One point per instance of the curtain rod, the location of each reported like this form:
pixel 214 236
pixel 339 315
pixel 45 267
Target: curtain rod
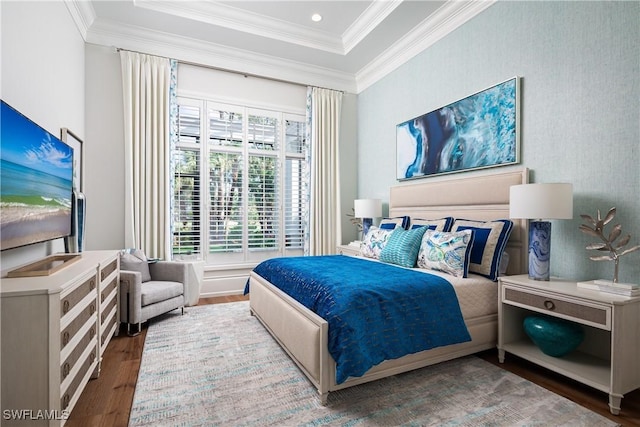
pixel 211 67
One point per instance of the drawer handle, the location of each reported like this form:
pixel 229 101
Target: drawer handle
pixel 92 357
pixel 92 308
pixel 65 370
pixel 65 306
pixel 92 284
pixel 92 333
pixel 102 297
pixel 549 305
pixel 65 338
pixel 65 401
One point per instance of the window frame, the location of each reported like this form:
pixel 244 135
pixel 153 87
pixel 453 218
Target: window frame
pixel 245 255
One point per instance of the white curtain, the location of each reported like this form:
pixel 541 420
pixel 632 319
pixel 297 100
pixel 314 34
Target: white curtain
pixel 324 207
pixel 145 83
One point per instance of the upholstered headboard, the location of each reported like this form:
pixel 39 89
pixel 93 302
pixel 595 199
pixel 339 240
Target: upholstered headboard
pixel 483 197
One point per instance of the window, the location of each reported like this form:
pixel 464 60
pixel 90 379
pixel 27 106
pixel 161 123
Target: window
pixel 246 202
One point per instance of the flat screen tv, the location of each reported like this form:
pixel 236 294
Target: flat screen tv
pixel 36 182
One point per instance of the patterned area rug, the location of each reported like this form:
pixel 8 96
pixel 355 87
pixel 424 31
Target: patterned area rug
pixel 217 365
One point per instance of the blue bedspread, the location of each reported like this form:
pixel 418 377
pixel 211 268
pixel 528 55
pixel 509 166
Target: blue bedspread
pixel 375 311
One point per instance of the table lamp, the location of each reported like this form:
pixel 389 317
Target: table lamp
pixel 367 209
pixel 540 202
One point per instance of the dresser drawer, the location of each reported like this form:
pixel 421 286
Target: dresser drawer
pixel 577 311
pixel 106 310
pixel 87 340
pixel 87 364
pixel 108 269
pixel 74 326
pixel 108 290
pixel 108 330
pixel 75 296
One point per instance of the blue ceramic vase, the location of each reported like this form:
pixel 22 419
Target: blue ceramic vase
pixel 554 337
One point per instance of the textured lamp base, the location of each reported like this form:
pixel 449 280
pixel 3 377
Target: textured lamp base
pixel 539 249
pixel 366 224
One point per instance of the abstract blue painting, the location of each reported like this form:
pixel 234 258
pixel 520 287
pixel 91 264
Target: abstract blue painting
pixel 479 131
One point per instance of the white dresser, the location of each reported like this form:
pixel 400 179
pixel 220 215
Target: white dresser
pixel 54 331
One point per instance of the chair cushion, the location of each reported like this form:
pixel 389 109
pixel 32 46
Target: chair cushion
pixel 135 261
pixel 155 291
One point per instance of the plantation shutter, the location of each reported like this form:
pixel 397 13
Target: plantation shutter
pixel 186 185
pixel 294 192
pixel 263 191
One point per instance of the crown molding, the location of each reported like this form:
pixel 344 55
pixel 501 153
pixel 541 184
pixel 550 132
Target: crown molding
pixel 446 19
pixel 110 33
pixel 226 16
pixel 367 22
pixel 83 15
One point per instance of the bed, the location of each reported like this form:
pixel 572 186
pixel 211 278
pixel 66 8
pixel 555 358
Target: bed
pixel 304 335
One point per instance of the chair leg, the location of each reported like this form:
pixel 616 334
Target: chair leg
pixel 139 327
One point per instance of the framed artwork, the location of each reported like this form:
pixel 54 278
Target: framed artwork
pixel 75 242
pixel 479 131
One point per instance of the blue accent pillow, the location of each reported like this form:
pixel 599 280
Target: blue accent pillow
pixel 402 247
pixel 442 224
pixel 489 240
pixel 392 223
pixel 446 252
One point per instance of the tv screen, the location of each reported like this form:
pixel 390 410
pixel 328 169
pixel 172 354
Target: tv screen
pixel 36 182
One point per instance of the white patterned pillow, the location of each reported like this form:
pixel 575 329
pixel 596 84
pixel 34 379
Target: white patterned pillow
pixel 447 252
pixel 373 243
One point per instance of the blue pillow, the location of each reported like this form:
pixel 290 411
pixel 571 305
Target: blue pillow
pixel 392 223
pixel 447 252
pixel 402 247
pixel 442 224
pixel 489 240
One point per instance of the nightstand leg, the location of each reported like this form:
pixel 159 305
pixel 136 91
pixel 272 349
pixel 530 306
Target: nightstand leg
pixel 614 403
pixel 500 355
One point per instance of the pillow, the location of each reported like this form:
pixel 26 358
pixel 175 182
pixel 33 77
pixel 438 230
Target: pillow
pixel 374 242
pixel 446 251
pixel 392 223
pixel 403 246
pixel 442 224
pixel 489 241
pixel 135 260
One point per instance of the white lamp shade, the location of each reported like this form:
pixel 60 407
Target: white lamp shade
pixel 541 201
pixel 367 208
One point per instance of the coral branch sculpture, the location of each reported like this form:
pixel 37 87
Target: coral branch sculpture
pixel 608 243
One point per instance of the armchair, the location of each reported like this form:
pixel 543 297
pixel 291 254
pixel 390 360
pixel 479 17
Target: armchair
pixel 149 289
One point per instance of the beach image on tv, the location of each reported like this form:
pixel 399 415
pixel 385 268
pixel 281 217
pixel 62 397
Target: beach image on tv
pixel 36 178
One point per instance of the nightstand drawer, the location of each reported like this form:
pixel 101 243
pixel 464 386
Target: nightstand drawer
pixel 578 311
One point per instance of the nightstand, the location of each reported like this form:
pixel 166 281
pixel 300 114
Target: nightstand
pixel 606 360
pixel 348 250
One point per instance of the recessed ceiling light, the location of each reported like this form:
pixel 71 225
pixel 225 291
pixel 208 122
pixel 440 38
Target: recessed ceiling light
pixel 316 17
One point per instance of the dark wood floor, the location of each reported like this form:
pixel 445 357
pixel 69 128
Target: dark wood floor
pixel 107 400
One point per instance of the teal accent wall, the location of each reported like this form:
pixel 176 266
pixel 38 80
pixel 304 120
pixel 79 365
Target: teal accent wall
pixel 579 64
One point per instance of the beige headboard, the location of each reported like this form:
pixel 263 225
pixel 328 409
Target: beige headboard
pixel 483 197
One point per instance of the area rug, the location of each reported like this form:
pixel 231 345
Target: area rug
pixel 216 365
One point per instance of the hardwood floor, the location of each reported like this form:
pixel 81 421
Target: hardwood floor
pixel 107 400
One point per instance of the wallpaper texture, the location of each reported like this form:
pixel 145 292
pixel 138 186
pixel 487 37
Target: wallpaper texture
pixel 580 69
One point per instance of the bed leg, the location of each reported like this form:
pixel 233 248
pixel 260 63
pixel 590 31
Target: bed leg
pixel 501 355
pixel 323 398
